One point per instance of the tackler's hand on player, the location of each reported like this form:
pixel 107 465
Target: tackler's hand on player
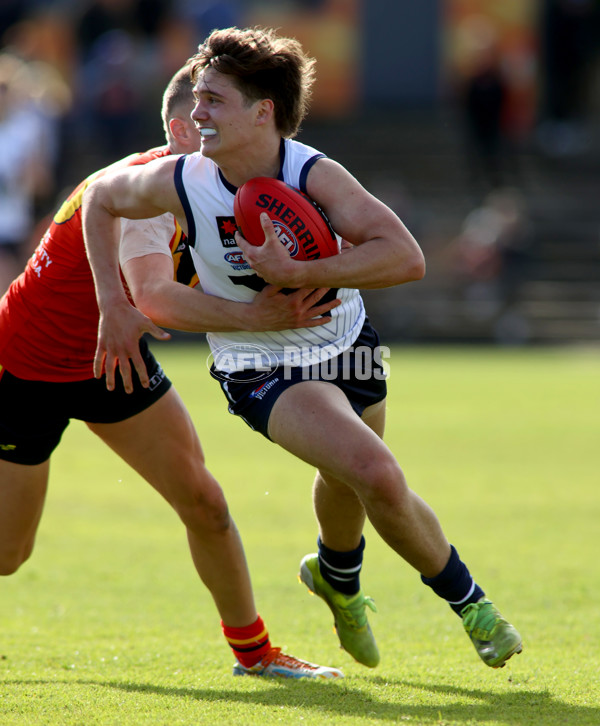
pixel 271 260
pixel 119 331
pixel 277 310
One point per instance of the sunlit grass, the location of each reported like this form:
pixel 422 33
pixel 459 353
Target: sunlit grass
pixel 108 623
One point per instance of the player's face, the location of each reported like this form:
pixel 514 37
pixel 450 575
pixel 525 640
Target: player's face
pixel 222 115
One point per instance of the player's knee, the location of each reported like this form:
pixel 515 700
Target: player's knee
pixel 206 509
pixel 381 480
pixel 215 512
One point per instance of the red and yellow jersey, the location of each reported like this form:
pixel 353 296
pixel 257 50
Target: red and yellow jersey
pixel 49 315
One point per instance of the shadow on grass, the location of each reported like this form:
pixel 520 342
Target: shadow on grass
pixel 342 699
pixel 522 706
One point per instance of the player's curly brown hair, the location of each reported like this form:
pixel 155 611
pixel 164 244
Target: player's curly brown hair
pixel 264 65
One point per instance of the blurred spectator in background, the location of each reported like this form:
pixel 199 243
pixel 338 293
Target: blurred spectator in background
pixel 119 75
pixel 28 152
pixel 138 18
pixel 570 46
pixel 206 15
pixel 490 258
pixel 484 101
pixel 42 39
pixel 11 12
pixel 110 91
pixel 493 67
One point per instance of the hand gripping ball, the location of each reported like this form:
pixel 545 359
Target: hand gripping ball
pixel 301 225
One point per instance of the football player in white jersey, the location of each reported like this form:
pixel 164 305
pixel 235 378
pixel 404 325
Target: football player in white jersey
pixel 320 402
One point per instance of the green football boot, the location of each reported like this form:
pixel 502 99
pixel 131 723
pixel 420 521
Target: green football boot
pixel 494 638
pixel 349 613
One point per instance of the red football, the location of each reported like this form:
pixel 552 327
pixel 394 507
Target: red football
pixel 301 225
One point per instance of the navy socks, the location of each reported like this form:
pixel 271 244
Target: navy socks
pixel 455 584
pixel 341 570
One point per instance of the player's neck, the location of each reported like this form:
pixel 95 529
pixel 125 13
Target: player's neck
pixel 261 160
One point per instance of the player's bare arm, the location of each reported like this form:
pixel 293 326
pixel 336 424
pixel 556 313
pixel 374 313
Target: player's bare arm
pixel 177 306
pixel 138 193
pixel 384 252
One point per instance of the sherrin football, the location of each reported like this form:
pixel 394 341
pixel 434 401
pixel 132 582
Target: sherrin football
pixel 301 225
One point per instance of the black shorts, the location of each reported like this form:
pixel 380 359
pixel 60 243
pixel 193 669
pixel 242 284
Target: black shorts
pixel 34 414
pixel 358 372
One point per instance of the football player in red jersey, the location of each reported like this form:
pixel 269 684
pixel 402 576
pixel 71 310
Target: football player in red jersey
pixel 48 329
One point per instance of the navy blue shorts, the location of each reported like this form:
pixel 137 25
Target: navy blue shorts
pixel 358 372
pixel 34 414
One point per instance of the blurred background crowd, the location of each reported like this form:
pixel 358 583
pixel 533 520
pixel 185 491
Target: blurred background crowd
pixel 477 121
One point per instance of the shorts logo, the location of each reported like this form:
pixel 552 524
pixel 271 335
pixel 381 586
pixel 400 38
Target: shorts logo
pixel 260 392
pixel 227 229
pixel 156 379
pixel 8 447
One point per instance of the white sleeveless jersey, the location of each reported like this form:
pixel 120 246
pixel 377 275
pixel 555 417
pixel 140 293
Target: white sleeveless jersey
pixel 207 199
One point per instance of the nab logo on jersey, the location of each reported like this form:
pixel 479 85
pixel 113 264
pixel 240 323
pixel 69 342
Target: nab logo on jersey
pixel 227 229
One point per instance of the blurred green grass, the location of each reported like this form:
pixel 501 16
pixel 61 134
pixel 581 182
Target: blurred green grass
pixel 108 624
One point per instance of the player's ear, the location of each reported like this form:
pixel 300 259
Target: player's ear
pixel 184 133
pixel 264 111
pixel 177 128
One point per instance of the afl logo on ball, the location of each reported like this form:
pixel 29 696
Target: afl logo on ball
pixel 286 237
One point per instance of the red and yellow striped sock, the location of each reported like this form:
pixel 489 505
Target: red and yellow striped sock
pixel 249 644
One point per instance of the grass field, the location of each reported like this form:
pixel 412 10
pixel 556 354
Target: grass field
pixel 107 623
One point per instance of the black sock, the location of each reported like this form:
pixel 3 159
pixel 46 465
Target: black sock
pixel 341 569
pixel 455 584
